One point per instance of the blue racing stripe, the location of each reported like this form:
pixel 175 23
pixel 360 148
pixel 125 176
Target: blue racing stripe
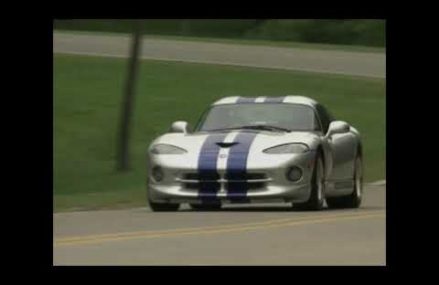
pixel 207 169
pixel 246 100
pixel 274 99
pixel 237 167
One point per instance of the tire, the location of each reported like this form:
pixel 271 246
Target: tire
pixel 317 197
pixel 205 207
pixel 163 207
pixel 352 200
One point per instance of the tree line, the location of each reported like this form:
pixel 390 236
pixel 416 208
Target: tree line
pixel 368 32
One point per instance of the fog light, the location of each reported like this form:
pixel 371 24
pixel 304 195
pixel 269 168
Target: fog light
pixel 157 174
pixel 294 173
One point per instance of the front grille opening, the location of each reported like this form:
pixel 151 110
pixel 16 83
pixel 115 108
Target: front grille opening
pixel 198 185
pixel 231 177
pixel 201 177
pixel 247 185
pixel 191 176
pixel 245 176
pixel 191 185
pixel 251 176
pixel 256 185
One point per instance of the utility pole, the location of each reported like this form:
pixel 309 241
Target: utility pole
pixel 122 157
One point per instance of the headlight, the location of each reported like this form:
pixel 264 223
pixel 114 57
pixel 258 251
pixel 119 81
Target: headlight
pixel 288 148
pixel 167 149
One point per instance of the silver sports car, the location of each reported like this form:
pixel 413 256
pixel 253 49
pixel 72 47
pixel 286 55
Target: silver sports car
pixel 261 149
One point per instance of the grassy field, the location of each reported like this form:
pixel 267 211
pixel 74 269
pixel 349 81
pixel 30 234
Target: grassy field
pixel 315 46
pixel 87 97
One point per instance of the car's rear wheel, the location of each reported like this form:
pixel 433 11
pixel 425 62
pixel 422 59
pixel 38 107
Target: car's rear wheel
pixel 206 207
pixel 317 197
pixel 352 200
pixel 163 207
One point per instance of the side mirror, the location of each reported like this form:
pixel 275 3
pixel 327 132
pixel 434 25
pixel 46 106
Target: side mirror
pixel 179 127
pixel 337 127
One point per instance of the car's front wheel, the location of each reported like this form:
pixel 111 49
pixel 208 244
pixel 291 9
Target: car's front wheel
pixel 317 197
pixel 352 200
pixel 163 207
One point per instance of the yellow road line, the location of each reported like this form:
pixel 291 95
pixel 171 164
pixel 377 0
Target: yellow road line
pixel 137 233
pixel 93 239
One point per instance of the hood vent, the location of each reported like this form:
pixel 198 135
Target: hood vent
pixel 225 145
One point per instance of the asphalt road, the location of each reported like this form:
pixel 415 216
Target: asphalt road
pixel 237 235
pixel 312 60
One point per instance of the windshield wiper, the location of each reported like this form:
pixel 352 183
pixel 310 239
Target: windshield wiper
pixel 265 127
pixel 221 129
pixel 255 127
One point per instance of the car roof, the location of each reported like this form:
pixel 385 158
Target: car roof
pixel 288 99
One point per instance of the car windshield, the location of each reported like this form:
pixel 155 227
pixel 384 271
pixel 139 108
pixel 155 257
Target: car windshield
pixel 270 116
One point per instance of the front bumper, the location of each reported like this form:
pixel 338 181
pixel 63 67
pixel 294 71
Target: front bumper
pixel 265 183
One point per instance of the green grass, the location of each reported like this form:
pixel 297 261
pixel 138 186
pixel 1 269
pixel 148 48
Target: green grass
pixel 87 97
pixel 315 46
